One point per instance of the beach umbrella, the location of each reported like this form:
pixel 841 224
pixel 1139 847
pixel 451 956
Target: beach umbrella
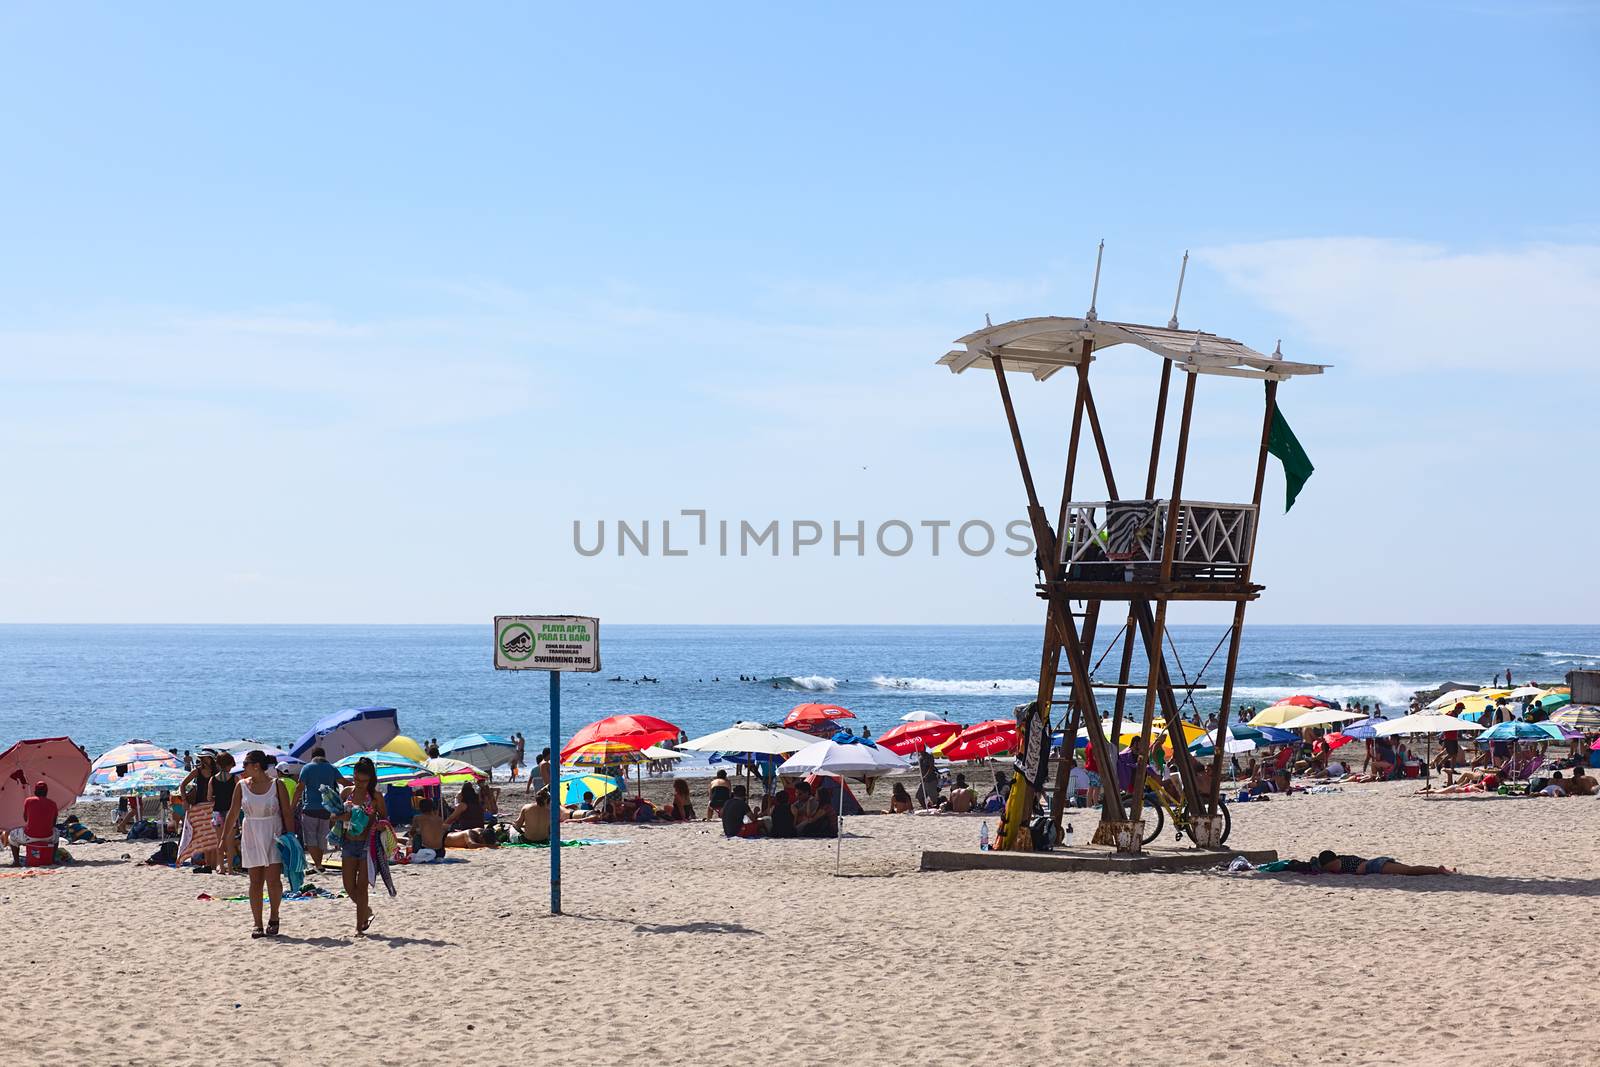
pixel 1277 715
pixel 1551 701
pixel 347 731
pixel 844 756
pixel 1585 717
pixel 405 746
pixel 1558 732
pixel 750 737
pixel 1362 730
pixel 1424 723
pixel 483 751
pixel 242 746
pixel 1471 706
pixel 920 716
pixel 656 752
pixel 148 781
pixel 133 755
pixel 392 768
pixel 1513 730
pixel 1445 700
pixel 1206 744
pixel 573 786
pixel 453 771
pixel 982 740
pixel 814 716
pixel 1301 700
pixel 605 754
pixel 1526 691
pixel 1319 717
pixel 916 736
pixel 1493 693
pixel 640 731
pixel 61 765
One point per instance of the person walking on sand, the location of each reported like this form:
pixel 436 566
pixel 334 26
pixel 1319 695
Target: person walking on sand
pixel 364 809
pixel 313 809
pixel 262 805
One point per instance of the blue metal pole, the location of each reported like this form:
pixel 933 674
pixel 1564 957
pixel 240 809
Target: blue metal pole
pixel 555 792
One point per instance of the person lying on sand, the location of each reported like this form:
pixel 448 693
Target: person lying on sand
pixel 472 839
pixel 1331 862
pixel 1476 778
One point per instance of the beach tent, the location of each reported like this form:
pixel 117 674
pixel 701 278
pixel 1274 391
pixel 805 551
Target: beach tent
pixel 638 731
pixel 483 751
pixel 844 756
pixel 401 745
pixel 133 755
pixel 61 765
pixel 351 730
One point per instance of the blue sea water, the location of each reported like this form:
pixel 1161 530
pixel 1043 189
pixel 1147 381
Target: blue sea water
pixel 182 686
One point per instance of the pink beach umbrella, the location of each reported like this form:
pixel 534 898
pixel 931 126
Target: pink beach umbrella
pixel 55 761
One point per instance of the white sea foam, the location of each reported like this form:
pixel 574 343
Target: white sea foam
pixel 969 686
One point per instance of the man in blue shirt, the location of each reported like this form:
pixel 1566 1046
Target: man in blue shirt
pixel 314 814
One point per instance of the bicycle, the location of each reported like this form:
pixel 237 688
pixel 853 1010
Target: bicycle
pixel 1158 807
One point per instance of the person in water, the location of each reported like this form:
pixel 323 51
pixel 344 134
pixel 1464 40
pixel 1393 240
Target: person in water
pixel 362 796
pixel 261 810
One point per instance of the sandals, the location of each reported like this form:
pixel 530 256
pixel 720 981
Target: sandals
pixel 257 932
pixel 272 928
pixel 363 923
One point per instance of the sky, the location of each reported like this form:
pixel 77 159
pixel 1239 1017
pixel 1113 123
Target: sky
pixel 350 314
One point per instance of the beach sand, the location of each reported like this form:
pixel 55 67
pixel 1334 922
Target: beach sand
pixel 680 945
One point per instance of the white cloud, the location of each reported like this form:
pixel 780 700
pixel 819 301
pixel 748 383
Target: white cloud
pixel 1408 306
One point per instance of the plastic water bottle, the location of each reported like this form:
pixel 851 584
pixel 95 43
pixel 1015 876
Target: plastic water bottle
pixel 1067 838
pixel 983 836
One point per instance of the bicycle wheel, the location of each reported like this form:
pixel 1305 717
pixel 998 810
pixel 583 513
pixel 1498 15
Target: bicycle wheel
pixel 1227 824
pixel 1155 820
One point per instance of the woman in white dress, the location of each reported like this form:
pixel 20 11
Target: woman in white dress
pixel 262 803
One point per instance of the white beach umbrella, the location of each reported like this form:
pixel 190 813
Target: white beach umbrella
pixel 1232 746
pixel 1425 724
pixel 751 737
pixel 1320 717
pixel 1451 697
pixel 1526 691
pixel 857 759
pixel 921 716
pixel 657 752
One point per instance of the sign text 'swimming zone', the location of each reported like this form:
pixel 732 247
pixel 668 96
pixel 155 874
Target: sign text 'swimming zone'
pixel 546 643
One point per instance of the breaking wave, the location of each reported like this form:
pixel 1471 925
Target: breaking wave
pixel 805 683
pixel 1390 692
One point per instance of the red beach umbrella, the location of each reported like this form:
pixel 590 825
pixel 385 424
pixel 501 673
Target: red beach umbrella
pixel 635 731
pixel 1300 700
pixel 56 761
pixel 993 738
pixel 805 716
pixel 915 736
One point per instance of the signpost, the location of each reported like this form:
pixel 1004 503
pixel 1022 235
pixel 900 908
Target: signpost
pixel 553 643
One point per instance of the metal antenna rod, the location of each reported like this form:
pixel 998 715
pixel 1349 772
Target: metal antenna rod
pixel 1172 323
pixel 1094 297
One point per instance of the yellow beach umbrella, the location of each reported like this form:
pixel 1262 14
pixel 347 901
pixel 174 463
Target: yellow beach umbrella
pixel 1277 715
pixel 1494 694
pixel 401 745
pixel 1474 705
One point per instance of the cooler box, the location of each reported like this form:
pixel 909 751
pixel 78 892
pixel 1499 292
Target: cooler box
pixel 39 855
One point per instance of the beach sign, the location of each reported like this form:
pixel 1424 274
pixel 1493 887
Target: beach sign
pixel 551 643
pixel 546 643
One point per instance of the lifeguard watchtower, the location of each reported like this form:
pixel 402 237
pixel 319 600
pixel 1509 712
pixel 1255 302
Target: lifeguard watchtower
pixel 1141 550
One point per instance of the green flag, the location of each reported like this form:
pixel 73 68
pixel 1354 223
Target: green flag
pixel 1297 468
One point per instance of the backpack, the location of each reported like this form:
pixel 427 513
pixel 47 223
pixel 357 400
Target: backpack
pixel 1043 833
pixel 166 855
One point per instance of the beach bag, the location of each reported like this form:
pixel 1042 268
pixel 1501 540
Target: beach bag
pixel 166 855
pixel 1043 833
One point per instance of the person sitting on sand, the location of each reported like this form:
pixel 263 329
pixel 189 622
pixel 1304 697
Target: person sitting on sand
pixel 717 795
pixel 962 797
pixel 427 828
pixel 736 818
pixel 1582 785
pixel 533 821
pixel 1331 862
pixel 823 821
pixel 468 812
pixel 900 802
pixel 1555 788
pixel 584 807
pixel 682 809
pixel 780 823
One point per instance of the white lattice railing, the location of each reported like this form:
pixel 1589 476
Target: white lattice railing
pixel 1210 535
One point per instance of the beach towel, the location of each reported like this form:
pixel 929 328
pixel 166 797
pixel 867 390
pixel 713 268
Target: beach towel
pixel 377 861
pixel 202 834
pixel 293 858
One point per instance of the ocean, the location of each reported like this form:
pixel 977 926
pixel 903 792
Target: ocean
pixel 183 686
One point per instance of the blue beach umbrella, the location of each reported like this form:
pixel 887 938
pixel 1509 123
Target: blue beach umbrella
pixel 1364 730
pixel 348 731
pixel 1272 735
pixel 1514 730
pixel 483 751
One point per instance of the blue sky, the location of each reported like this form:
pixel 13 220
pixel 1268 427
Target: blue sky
pixel 347 315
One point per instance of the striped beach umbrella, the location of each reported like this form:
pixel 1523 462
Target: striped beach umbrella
pixel 1585 717
pixel 605 754
pixel 131 756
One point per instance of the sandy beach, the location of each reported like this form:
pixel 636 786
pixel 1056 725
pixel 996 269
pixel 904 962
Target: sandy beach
pixel 679 944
